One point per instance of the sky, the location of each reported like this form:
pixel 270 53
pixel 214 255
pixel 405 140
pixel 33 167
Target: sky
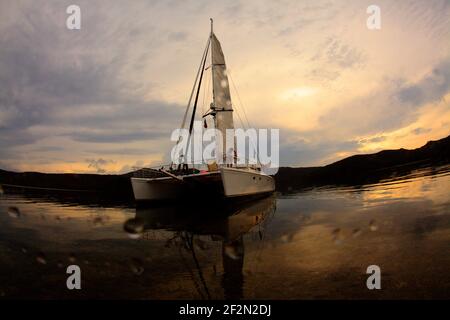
pixel 105 98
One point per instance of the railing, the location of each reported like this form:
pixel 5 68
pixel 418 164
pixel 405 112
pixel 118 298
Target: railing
pixel 147 173
pixel 157 171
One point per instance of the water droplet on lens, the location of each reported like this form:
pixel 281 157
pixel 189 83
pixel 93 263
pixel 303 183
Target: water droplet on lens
pixel 284 238
pixel 136 266
pixel 288 237
pixel 224 83
pixel 40 258
pixel 231 252
pixel 356 232
pixel 72 257
pixel 373 225
pixel 134 227
pixel 14 212
pixel 97 221
pixel 337 236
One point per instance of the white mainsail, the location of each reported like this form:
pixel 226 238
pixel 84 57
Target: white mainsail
pixel 221 106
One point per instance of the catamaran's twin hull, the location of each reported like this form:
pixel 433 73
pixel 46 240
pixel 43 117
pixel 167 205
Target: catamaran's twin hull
pixel 239 182
pixel 227 182
pixel 153 189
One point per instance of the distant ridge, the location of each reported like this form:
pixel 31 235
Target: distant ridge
pixel 366 168
pixel 85 185
pixel 354 170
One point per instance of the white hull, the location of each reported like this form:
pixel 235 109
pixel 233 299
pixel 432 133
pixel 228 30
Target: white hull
pixel 229 182
pixel 146 189
pixel 243 182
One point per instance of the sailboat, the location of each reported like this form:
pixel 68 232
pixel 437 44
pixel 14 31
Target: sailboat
pixel 227 180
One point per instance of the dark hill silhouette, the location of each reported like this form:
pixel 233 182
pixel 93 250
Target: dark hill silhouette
pixel 354 170
pixel 366 168
pixel 85 185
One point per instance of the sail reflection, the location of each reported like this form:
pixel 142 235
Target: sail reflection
pixel 195 226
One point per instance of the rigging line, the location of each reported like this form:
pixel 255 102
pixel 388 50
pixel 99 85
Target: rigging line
pixel 239 98
pixel 240 119
pixel 192 92
pixel 208 84
pixel 199 269
pixel 205 119
pixel 191 125
pixel 196 285
pixel 264 223
pixel 204 91
pixel 244 127
pixel 203 102
pixel 245 114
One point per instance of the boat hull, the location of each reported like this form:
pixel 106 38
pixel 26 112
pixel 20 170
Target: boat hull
pixel 241 182
pixel 226 183
pixel 146 189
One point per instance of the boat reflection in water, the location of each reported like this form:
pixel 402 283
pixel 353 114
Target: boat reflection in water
pixel 195 226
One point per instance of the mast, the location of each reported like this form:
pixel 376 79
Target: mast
pixel 200 70
pixel 191 124
pixel 198 91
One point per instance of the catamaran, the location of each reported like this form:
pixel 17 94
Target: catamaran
pixel 228 180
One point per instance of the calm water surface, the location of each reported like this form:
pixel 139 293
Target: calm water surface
pixel 314 244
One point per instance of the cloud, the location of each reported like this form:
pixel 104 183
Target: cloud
pixel 177 36
pixel 304 149
pixel 334 50
pixel 374 139
pixel 118 86
pixel 430 88
pixel 393 105
pixel 120 151
pixel 54 82
pixel 419 131
pixel 98 164
pixel 113 136
pixel 342 54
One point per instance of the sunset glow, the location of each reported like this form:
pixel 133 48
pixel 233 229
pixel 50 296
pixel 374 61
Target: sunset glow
pixel 106 97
